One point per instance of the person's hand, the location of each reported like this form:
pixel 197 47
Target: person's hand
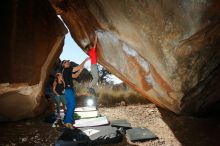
pixel 88 58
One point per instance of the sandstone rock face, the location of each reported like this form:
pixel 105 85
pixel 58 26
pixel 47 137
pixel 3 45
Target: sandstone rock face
pixel 166 50
pixel 32 38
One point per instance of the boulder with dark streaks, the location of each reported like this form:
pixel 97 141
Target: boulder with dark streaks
pixel 166 50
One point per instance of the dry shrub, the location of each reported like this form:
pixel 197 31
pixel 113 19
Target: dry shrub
pixel 108 96
pixel 80 88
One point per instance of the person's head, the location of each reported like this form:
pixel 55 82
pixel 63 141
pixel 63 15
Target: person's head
pixel 59 76
pixel 88 47
pixel 66 64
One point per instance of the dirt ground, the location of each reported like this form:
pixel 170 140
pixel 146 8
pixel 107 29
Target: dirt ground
pixel 171 129
pixel 28 132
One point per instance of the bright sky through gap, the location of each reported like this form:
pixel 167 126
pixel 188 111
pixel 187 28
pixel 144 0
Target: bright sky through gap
pixel 71 51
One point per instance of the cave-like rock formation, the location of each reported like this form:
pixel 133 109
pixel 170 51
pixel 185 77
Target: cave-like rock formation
pixel 31 40
pixel 166 50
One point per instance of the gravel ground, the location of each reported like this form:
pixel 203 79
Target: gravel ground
pixel 172 130
pixel 28 133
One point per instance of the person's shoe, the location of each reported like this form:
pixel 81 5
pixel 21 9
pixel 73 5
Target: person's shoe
pixel 70 126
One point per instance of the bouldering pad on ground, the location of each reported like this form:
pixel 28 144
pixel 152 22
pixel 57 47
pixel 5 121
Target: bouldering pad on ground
pixel 121 123
pixel 99 121
pixel 140 134
pixel 90 136
pixel 84 109
pixel 87 114
pixel 103 134
pixel 72 138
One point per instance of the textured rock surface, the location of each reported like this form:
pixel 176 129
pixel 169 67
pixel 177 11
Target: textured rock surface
pixel 31 41
pixel 166 50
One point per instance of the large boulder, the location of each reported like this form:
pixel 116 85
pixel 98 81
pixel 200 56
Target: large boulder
pixel 166 50
pixel 32 38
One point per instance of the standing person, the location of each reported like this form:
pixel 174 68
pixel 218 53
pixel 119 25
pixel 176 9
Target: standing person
pixel 58 89
pixel 91 51
pixel 68 74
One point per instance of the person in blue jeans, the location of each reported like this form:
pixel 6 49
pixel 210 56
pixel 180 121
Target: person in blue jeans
pixel 68 74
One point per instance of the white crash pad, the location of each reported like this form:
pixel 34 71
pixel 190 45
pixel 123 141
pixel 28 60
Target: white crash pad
pixel 99 121
pixel 83 112
pixel 84 109
pixel 87 114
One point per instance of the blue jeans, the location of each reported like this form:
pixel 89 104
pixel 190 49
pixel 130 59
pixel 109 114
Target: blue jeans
pixel 70 105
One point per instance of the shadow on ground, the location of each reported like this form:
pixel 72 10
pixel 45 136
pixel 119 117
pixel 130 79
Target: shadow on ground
pixel 27 132
pixel 193 131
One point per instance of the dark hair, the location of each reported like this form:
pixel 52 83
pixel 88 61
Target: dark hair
pixel 88 47
pixel 63 62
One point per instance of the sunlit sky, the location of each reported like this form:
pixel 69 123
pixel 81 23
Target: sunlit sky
pixel 71 51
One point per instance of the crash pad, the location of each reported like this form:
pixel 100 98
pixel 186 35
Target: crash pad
pixel 87 114
pixel 83 109
pixel 121 123
pixel 98 121
pixel 140 134
pixel 72 138
pixel 101 132
pixel 90 136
